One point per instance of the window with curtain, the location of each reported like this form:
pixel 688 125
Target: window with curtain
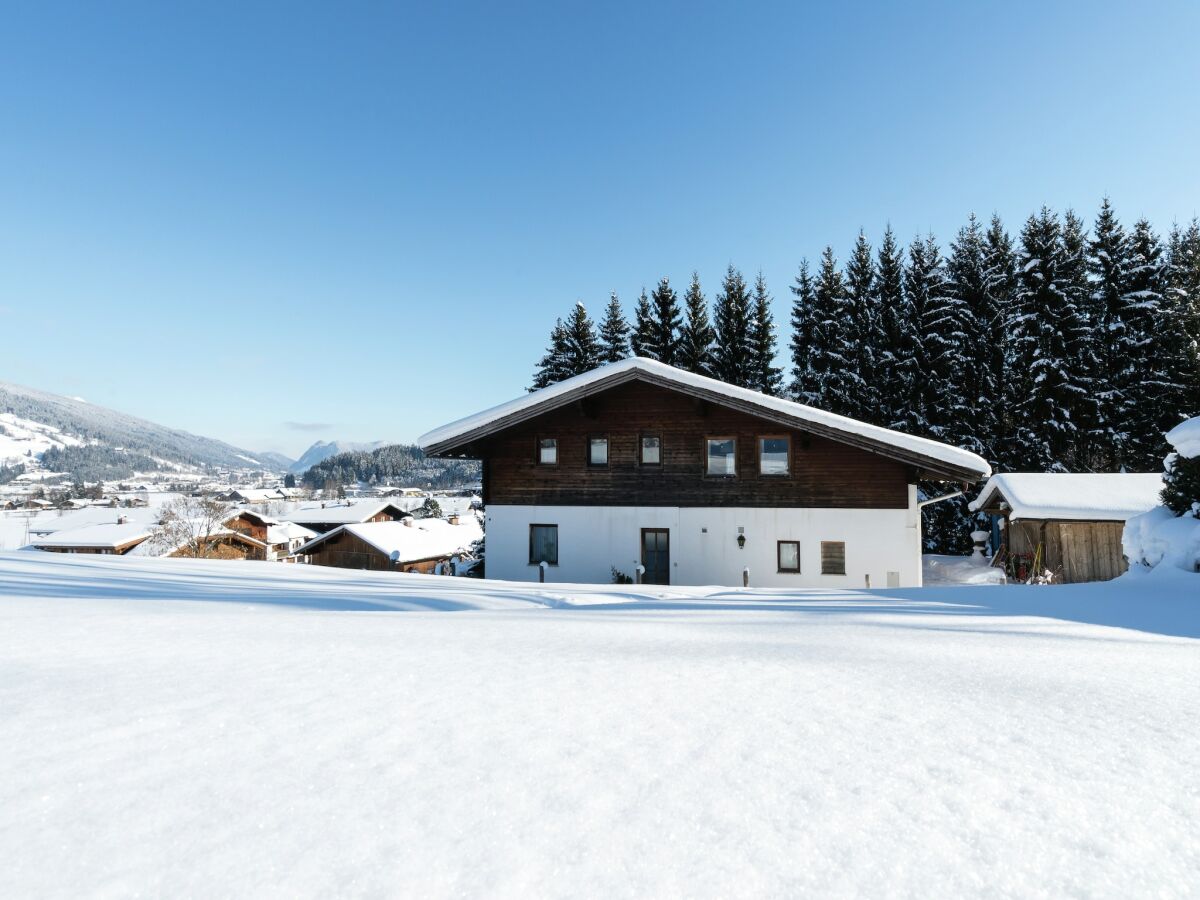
pixel 722 456
pixel 543 544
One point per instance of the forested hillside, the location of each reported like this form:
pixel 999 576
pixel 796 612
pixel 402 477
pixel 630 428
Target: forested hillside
pixel 1063 349
pixel 399 464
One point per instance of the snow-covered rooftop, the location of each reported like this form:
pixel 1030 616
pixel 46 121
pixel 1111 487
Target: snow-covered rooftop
pixel 1101 497
pixel 423 539
pixel 340 513
pixel 100 537
pixel 92 515
pixel 603 377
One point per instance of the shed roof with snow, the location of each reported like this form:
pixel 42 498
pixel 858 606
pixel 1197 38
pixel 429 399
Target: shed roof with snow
pixel 421 540
pixel 1059 496
pixel 933 458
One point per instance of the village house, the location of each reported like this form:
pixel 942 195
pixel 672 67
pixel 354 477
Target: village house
pixel 641 466
pixel 115 538
pixel 425 546
pixel 1066 524
pixel 323 517
pixel 280 539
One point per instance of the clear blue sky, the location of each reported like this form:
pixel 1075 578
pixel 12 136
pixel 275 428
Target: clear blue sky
pixel 271 224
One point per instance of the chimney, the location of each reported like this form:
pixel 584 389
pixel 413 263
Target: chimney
pixel 407 520
pixel 122 520
pixel 453 519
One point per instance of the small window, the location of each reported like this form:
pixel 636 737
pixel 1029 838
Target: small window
pixel 547 452
pixel 722 457
pixel 651 450
pixel 543 544
pixel 833 558
pixel 598 451
pixel 773 455
pixel 789 556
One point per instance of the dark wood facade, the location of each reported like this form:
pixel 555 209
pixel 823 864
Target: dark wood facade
pixel 348 551
pixel 822 472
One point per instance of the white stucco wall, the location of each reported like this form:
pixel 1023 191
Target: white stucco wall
pixel 704 550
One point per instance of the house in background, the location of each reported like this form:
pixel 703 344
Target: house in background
pixel 280 539
pixel 115 538
pixel 1067 524
pixel 639 464
pixel 323 517
pixel 425 546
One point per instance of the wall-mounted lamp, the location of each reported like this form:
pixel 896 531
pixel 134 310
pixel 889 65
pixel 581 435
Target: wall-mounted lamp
pixel 741 541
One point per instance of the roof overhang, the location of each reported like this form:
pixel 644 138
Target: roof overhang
pixel 465 443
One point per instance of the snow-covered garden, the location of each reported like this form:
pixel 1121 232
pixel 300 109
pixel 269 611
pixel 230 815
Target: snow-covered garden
pixel 176 727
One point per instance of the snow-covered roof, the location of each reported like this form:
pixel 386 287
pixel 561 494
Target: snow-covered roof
pixel 1096 497
pixel 108 536
pixel 158 548
pixel 341 513
pixel 423 539
pixel 288 531
pixel 931 454
pixel 92 515
pixel 1185 438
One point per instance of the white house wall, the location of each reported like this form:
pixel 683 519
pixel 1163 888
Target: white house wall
pixel 703 541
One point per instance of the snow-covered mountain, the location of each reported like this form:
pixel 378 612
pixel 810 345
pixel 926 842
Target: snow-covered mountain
pixel 71 435
pixel 322 450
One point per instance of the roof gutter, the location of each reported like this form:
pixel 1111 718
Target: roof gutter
pixel 925 503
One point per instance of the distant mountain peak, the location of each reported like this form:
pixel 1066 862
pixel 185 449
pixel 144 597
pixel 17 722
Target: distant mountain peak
pixel 322 450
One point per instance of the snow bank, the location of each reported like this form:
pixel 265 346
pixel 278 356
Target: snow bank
pixel 1160 538
pixel 1185 438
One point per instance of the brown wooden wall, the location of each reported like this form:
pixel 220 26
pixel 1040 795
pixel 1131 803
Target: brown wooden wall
pixel 823 473
pixel 348 551
pixel 1074 551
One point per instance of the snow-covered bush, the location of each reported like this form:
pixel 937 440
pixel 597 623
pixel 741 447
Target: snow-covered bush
pixel 1169 535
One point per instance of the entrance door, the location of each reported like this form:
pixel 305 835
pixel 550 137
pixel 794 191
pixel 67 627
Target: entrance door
pixel 656 555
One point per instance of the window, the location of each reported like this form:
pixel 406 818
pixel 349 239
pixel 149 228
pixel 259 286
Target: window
pixel 833 558
pixel 774 455
pixel 789 556
pixel 651 450
pixel 722 457
pixel 598 451
pixel 543 544
pixel 547 452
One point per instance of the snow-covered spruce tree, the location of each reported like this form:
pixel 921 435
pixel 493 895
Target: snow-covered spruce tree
pixel 894 324
pixel 732 358
pixel 1151 388
pixel 614 332
pixel 765 375
pixel 829 351
pixel 1182 314
pixel 582 347
pixel 1108 269
pixel 1000 269
pixel 922 276
pixel 1181 485
pixel 697 335
pixel 553 368
pixel 804 387
pixel 664 331
pixel 862 331
pixel 1080 345
pixel 1048 379
pixel 641 339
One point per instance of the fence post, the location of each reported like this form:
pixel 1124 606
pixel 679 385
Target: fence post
pixel 638 571
pixel 746 577
pixel 542 572
pixel 868 577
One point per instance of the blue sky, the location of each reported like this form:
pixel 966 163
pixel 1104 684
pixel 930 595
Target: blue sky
pixel 276 223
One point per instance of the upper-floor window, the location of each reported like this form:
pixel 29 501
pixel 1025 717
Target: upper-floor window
pixel 651 450
pixel 774 455
pixel 547 454
pixel 598 451
pixel 721 456
pixel 833 557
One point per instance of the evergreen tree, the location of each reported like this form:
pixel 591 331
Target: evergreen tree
pixel 1001 273
pixel 732 353
pixel 1182 315
pixel 894 323
pixel 641 340
pixel 1047 331
pixel 829 351
pixel 804 387
pixel 861 332
pixel 553 367
pixel 582 347
pixel 697 335
pixel 1081 344
pixel 664 330
pixel 614 332
pixel 1108 267
pixel 1154 350
pixel 765 375
pixel 922 278
pixel 973 412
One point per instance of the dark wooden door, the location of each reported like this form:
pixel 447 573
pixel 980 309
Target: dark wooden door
pixel 656 555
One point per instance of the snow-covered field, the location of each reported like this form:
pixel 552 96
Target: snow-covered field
pixel 175 727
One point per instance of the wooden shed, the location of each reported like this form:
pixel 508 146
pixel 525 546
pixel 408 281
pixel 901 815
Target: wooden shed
pixel 1069 525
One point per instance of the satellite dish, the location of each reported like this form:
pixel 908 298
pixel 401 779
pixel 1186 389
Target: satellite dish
pixel 395 556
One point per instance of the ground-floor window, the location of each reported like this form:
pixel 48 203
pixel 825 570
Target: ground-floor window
pixel 543 544
pixel 789 556
pixel 833 558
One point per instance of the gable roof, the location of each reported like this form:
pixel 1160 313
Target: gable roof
pixel 932 457
pixel 107 536
pixel 423 539
pixel 343 512
pixel 1089 497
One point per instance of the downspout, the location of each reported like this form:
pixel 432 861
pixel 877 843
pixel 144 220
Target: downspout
pixel 924 503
